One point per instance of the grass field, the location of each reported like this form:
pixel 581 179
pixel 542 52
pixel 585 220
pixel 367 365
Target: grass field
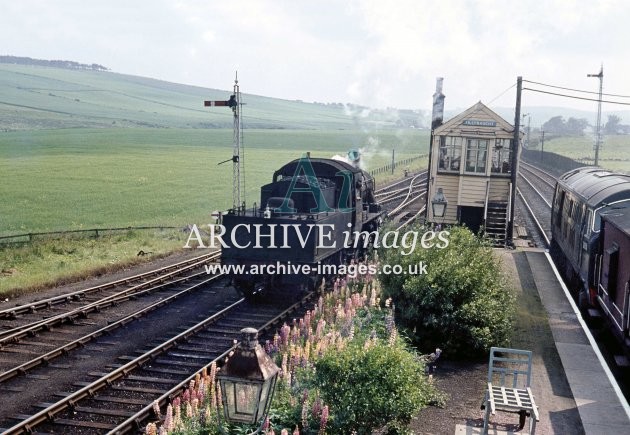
pixel 47 262
pixel 613 155
pixel 84 178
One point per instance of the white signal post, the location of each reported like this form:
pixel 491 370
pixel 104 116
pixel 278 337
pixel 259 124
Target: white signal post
pixel 238 153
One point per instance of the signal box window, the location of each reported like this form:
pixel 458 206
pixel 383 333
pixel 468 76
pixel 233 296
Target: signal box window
pixel 476 152
pixel 501 161
pixel 450 153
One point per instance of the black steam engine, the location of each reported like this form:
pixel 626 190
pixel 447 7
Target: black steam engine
pixel 315 212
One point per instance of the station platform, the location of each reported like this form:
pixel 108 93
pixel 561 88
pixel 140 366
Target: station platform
pixel 573 388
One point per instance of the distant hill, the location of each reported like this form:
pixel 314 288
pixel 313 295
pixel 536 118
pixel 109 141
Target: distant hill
pixel 50 94
pixel 542 114
pixel 34 96
pixel 68 64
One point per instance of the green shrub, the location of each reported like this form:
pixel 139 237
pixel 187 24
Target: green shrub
pixel 462 304
pixel 370 387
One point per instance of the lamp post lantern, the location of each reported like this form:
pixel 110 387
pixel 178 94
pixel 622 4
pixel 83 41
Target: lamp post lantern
pixel 438 204
pixel 247 381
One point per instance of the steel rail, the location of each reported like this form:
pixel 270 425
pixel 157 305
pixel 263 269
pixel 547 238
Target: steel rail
pixel 89 390
pixel 536 190
pixel 396 183
pixel 16 334
pixel 79 294
pixel 413 218
pixel 135 422
pixel 533 215
pixel 547 174
pixel 80 342
pixel 409 193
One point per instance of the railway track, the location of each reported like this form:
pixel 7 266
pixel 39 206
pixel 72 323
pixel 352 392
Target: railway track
pixel 122 398
pixel 25 328
pixel 535 193
pixel 96 359
pixel 405 199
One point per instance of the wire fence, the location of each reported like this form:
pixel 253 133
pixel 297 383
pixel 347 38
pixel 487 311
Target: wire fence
pixel 97 232
pixel 92 232
pixel 392 166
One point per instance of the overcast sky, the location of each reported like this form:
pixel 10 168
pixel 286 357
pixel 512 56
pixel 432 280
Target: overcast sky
pixel 373 52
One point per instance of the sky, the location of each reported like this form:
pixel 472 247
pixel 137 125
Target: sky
pixel 377 53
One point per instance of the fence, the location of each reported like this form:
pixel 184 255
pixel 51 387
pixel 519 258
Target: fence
pixel 94 232
pixel 390 167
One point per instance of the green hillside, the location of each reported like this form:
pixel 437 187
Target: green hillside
pixel 37 97
pixel 83 148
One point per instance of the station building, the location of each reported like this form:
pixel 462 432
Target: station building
pixel 471 163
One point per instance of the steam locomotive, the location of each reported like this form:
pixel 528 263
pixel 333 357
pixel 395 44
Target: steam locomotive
pixel 314 213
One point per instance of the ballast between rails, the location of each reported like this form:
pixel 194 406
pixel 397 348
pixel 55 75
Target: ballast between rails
pixel 46 358
pixel 135 422
pixel 89 390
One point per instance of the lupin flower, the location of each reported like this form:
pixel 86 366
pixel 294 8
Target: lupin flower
pixel 168 420
pixel 284 334
pixel 317 407
pixel 323 422
pixel 284 432
pixel 304 414
pixel 162 431
pixel 296 431
pixel 151 429
pixel 392 336
pixel 156 410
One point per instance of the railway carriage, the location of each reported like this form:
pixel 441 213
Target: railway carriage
pixel 582 196
pixel 613 272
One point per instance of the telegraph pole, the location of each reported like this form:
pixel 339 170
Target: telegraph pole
pixel 515 153
pixel 598 133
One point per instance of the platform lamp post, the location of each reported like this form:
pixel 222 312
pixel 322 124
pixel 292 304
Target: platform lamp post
pixel 247 382
pixel 438 204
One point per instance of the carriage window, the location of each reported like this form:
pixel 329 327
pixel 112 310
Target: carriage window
pixel 450 153
pixel 501 153
pixel 476 150
pixel 609 269
pixel 559 208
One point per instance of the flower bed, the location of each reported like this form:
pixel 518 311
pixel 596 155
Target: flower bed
pixel 343 367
